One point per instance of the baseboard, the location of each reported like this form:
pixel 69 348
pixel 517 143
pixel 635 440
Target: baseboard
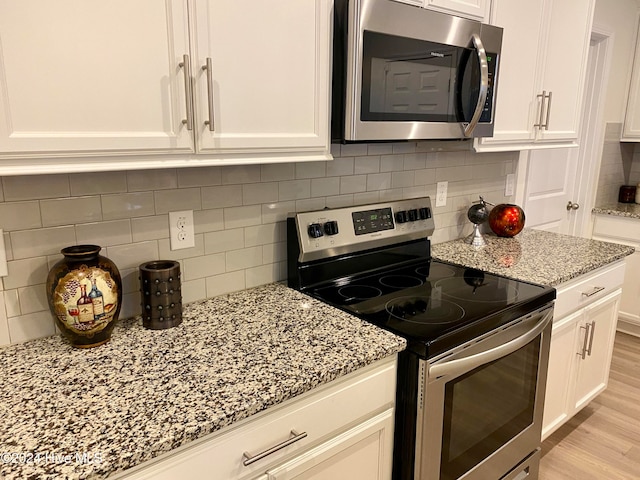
pixel 628 324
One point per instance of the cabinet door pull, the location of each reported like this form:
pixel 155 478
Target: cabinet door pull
pixel 186 66
pixel 593 329
pixel 542 98
pixel 251 459
pixel 583 354
pixel 546 122
pixel 593 291
pixel 209 69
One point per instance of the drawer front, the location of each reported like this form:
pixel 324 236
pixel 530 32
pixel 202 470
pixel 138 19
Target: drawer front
pixel 588 288
pixel 319 414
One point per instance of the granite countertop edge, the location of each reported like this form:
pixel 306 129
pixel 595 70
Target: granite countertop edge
pixel 147 392
pixel 628 210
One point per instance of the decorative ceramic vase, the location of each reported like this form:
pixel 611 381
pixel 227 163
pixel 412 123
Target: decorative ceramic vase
pixel 84 291
pixel 506 219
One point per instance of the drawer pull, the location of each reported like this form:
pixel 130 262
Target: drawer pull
pixel 586 328
pixel 251 459
pixel 593 292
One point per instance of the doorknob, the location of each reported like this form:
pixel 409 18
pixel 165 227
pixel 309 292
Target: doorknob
pixel 572 206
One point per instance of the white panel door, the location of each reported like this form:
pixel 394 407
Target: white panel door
pixel 550 187
pixel 89 75
pixel 569 30
pixel 518 75
pixel 269 77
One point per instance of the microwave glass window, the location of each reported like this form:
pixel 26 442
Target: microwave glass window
pixel 486 408
pixel 405 79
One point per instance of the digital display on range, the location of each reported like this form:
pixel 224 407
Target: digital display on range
pixel 370 221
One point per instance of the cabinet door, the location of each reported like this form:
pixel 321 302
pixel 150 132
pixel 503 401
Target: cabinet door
pixel 630 301
pixel 476 9
pixel 557 406
pixel 518 75
pixel 364 451
pixel 86 75
pixel 599 327
pixel 270 75
pixel 631 129
pixel 565 66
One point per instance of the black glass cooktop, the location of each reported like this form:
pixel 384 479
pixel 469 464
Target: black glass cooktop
pixel 434 305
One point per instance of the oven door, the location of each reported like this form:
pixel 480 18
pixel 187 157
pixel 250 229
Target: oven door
pixel 482 404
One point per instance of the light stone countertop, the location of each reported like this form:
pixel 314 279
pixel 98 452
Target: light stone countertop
pixel 535 256
pixel 630 210
pixel 147 392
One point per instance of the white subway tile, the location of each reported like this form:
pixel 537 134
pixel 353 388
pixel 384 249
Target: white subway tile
pixel 366 197
pixel 25 272
pixel 274 172
pixel 263 234
pixel 225 283
pixel 20 215
pixel 262 275
pixel 31 326
pixel 391 195
pixel 364 165
pixel 1 191
pixel 203 267
pixel 277 212
pixel 216 242
pixel 236 217
pixel 378 181
pixel 323 187
pixel 208 220
pixel 33 299
pixel 133 254
pixel 130 305
pixel 404 147
pixel 415 161
pixel 454 174
pixel 339 201
pixel 340 167
pixel 425 176
pixel 353 150
pixel 274 252
pixel 11 302
pixel 150 228
pixel 33 187
pixel 254 193
pixel 176 200
pixel 402 179
pixel 309 204
pixel 223 196
pixel 353 184
pixel 42 241
pixel 127 205
pixel 240 174
pixel 335 150
pixel 311 169
pixel 65 211
pixel 244 258
pixel 130 279
pixel 379 149
pixel 194 290
pixel 8 250
pixel 5 339
pixel 415 192
pixel 199 177
pixel 97 183
pixel 113 232
pixel 294 189
pixel 391 163
pixel 165 252
pixel 139 180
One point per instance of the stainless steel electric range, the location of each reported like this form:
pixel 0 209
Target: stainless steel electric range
pixel 470 387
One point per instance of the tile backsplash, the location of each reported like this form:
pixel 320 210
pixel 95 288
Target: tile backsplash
pixel 619 166
pixel 239 216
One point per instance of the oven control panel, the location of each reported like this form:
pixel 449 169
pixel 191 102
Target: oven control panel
pixel 326 233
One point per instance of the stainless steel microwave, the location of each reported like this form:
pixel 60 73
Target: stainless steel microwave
pixel 402 72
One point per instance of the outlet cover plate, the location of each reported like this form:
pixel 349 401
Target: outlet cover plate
pixel 181 230
pixel 441 194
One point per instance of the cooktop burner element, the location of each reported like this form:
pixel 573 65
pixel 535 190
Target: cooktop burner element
pixel 485 291
pixel 436 270
pixel 400 281
pixel 353 293
pixel 424 310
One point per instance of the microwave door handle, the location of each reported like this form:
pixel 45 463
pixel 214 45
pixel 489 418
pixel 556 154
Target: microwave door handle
pixel 484 85
pixel 463 365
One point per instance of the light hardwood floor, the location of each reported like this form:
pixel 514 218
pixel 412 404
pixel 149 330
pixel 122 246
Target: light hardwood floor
pixel 602 442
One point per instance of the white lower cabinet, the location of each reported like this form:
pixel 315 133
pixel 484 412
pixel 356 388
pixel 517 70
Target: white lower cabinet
pixel 581 343
pixel 341 430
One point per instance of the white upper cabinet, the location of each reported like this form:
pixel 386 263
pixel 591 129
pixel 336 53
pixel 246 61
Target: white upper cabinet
pixel 268 87
pixel 541 74
pixel 88 76
pixel 631 128
pixel 90 85
pixel 474 9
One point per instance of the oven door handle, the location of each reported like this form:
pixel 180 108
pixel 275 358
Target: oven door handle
pixel 466 364
pixel 484 85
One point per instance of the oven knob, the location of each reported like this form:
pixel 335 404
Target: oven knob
pixel 424 213
pixel 331 227
pixel 315 230
pixel 401 217
pixel 413 215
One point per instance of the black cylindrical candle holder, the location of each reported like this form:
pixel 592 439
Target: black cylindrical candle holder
pixel 160 294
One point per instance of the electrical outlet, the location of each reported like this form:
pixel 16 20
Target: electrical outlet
pixel 441 194
pixel 181 229
pixel 510 185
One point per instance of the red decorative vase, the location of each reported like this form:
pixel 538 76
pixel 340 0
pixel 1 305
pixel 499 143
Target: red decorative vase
pixel 506 219
pixel 84 291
